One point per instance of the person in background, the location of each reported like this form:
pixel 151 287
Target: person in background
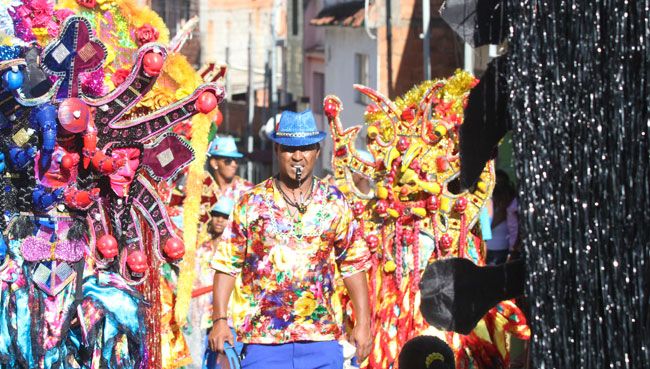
pixel 221 179
pixel 426 352
pixel 505 226
pixel 200 319
pixel 223 164
pixel 286 237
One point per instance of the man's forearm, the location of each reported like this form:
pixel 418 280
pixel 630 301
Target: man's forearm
pixel 357 287
pixel 221 291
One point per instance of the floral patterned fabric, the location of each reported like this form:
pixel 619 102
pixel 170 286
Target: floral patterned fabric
pixel 288 265
pixel 212 192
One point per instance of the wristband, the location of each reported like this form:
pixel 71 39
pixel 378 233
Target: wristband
pixel 214 320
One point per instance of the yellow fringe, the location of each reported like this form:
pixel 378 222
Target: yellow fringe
pixel 191 208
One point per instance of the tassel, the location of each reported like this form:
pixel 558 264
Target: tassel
pixel 191 208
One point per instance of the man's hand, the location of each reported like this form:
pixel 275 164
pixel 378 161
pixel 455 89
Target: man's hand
pixel 362 340
pixel 360 337
pixel 219 334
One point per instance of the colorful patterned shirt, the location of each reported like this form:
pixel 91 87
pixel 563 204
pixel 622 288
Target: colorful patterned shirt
pixel 288 266
pixel 211 192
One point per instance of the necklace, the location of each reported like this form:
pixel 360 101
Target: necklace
pixel 300 206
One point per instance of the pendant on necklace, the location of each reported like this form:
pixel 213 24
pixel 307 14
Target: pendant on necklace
pixel 302 208
pixel 297 229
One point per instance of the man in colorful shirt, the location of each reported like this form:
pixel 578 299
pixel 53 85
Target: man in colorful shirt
pixel 286 237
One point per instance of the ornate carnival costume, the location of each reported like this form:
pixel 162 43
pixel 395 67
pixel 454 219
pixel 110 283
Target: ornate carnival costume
pixel 417 214
pixel 87 232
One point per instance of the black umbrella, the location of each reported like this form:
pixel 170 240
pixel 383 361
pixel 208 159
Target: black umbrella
pixel 456 293
pixel 477 22
pixel 486 121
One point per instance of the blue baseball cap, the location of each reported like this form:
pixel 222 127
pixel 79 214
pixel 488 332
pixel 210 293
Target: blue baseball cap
pixel 297 129
pixel 224 146
pixel 223 206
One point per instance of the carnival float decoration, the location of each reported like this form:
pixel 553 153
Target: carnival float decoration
pixel 417 213
pixel 84 232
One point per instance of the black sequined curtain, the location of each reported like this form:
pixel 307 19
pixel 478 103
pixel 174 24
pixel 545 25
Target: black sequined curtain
pixel 578 83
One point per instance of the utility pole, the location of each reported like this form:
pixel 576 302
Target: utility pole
pixel 251 98
pixel 226 116
pixel 426 38
pixel 273 61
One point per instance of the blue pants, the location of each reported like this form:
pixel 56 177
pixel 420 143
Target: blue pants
pixel 296 355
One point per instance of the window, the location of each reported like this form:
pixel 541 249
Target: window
pixel 318 93
pixel 294 17
pixel 361 76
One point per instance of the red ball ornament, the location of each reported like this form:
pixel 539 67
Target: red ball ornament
pixel 358 208
pixel 67 162
pixel 206 102
pixel 381 207
pixel 408 114
pixel 219 118
pixel 137 262
pixel 331 108
pixel 153 63
pixel 174 248
pixel 433 203
pixel 73 115
pixel 107 246
pixel 461 204
pixel 445 241
pixel 403 144
pixel 372 241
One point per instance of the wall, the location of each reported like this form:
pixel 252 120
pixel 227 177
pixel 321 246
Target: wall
pixel 341 45
pixel 226 24
pixel 400 47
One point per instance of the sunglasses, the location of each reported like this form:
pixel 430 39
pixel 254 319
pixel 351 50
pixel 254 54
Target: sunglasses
pixel 229 161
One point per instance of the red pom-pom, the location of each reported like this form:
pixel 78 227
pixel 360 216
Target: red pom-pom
pixel 107 246
pixel 372 241
pixel 219 118
pixel 403 144
pixel 433 203
pixel 153 63
pixel 331 108
pixel 358 208
pixel 461 204
pixel 174 248
pixel 206 102
pixel 381 207
pixel 137 262
pixel 408 114
pixel 445 241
